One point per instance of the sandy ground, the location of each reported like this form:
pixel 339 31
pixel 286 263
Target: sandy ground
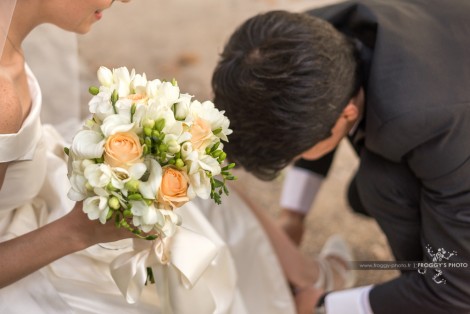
pixel 182 39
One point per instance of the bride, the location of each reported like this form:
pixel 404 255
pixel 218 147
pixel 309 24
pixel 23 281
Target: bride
pixel 51 258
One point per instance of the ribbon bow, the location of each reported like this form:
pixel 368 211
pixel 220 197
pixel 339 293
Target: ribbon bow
pixel 187 252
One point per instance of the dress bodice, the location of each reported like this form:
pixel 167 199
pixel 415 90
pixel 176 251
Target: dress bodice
pixel 26 154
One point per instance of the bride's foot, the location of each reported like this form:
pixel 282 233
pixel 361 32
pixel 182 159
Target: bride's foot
pixel 333 273
pixel 334 260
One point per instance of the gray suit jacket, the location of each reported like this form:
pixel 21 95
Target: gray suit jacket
pixel 414 175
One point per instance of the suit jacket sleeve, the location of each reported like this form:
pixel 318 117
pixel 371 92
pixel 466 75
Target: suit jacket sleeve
pixel 441 164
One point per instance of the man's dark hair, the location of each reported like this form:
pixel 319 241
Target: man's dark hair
pixel 283 79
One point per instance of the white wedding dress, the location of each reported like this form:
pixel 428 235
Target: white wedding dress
pixel 34 193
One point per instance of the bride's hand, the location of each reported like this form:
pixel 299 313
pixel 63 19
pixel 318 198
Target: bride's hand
pixel 91 232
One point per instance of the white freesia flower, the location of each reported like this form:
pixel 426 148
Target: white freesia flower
pixel 200 184
pixel 121 176
pixel 152 88
pixel 197 160
pixel 190 156
pixel 211 115
pixel 168 94
pixel 96 207
pixel 78 165
pixel 122 80
pixel 209 163
pixel 76 169
pixel 146 217
pixel 88 144
pixel 136 171
pixel 100 105
pixel 175 136
pixel 124 107
pixel 78 191
pixel 98 175
pixel 149 188
pixel 139 84
pixel 171 220
pixel 116 123
pixel 182 106
pixel 156 112
pixel 105 76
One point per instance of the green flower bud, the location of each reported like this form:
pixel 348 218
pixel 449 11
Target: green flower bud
pixel 93 90
pixel 163 148
pixel 147 131
pixel 132 186
pixel 149 123
pixel 114 96
pixel 110 187
pixel 135 197
pixel 173 146
pixel 179 163
pixel 214 147
pixel 113 202
pixel 124 224
pixel 155 133
pixel 229 166
pixel 127 213
pixel 160 124
pixel 217 153
pixel 148 142
pixel 222 157
pixel 174 82
pixel 109 215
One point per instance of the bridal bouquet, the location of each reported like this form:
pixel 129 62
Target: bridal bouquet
pixel 146 150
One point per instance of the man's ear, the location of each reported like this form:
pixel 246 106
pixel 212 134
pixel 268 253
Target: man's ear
pixel 350 112
pixel 353 109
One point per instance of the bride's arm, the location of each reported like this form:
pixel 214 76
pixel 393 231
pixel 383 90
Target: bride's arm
pixel 73 232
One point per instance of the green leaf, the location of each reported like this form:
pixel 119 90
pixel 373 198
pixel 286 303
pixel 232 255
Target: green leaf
pixel 217 183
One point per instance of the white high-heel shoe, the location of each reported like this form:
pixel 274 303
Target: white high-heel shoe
pixel 336 247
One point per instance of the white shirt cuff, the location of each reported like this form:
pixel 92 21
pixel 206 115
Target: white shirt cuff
pixel 299 189
pixel 351 301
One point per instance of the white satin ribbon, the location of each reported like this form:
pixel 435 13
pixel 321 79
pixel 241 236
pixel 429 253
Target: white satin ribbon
pixel 187 252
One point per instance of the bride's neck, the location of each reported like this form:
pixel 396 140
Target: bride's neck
pixel 25 18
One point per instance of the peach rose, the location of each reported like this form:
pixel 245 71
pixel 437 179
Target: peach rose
pixel 173 189
pixel 122 150
pixel 200 134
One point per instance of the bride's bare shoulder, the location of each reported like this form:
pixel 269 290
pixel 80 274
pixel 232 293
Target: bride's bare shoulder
pixel 10 107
